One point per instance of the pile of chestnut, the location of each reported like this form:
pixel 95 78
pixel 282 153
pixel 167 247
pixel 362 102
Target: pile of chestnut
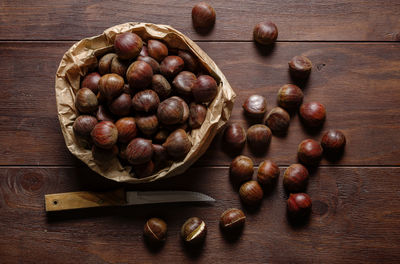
pixel 141 102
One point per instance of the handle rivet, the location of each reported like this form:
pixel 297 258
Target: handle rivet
pixel 55 202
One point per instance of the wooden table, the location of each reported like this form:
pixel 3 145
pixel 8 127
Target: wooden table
pixel 356 74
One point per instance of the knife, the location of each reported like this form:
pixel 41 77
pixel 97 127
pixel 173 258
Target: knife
pixel 120 197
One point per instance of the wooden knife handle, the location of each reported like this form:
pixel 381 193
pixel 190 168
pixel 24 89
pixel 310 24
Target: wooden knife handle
pixel 76 200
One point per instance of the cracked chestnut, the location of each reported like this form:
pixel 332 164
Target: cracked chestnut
pixel 193 231
pixel 155 230
pixel 232 219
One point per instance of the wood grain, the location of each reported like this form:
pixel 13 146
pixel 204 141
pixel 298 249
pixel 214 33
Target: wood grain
pixel 355 219
pixel 357 82
pixel 355 20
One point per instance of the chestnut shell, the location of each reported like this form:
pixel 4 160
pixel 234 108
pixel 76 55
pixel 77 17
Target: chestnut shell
pixel 139 75
pixel 309 152
pixel 290 97
pixel 91 81
pixel 251 193
pixel 265 33
pixel 139 151
pixel 171 66
pixel 241 169
pixel 170 111
pixel 232 219
pixel 86 101
pixel 127 129
pixel 203 16
pixel 178 144
pixel 205 89
pixel 111 85
pixel 193 231
pixel 299 205
pixel 105 134
pixel 84 124
pixel 146 101
pixel 259 137
pixel 255 106
pixel 127 45
pixel 235 136
pixel 184 82
pixel 333 142
pixel 155 230
pixel 313 114
pixel 161 86
pixel 278 121
pixel 295 178
pixel 300 67
pixel 157 49
pixel 267 173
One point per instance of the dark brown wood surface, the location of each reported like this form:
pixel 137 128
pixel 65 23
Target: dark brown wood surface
pixel 356 74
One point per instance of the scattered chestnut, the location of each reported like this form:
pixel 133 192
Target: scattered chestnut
pixel 185 114
pixel 127 45
pixel 265 33
pixel 299 205
pixel 91 81
pixel 127 129
pixel 235 136
pixel 84 124
pixel 161 86
pixel 232 219
pixel 118 66
pixel 205 89
pixel 255 106
pixel 313 114
pixel 203 17
pixel 152 62
pixel 146 101
pixel 157 49
pixel 295 178
pixel 105 63
pixel 161 136
pixel 139 75
pixel 103 114
pixel 178 144
pixel 258 137
pixel 139 151
pixel 333 142
pixel 184 82
pixel 121 106
pixel 170 111
pixel 197 115
pixel 105 134
pixel 111 85
pixel 191 63
pixel 144 170
pixel 193 231
pixel 290 97
pixel 160 155
pixel 241 169
pixel 86 101
pixel 155 230
pixel 309 152
pixel 267 173
pixel 300 67
pixel 278 121
pixel 148 125
pixel 101 155
pixel 171 66
pixel 251 193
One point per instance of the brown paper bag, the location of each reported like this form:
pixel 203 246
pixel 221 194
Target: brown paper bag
pixel 82 57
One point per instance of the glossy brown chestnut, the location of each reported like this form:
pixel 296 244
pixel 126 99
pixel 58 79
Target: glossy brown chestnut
pixel 205 89
pixel 139 151
pixel 148 125
pixel 191 63
pixel 146 101
pixel 171 66
pixel 128 45
pixel 300 67
pixel 161 136
pixel 118 66
pixel 105 63
pixel 111 85
pixel 235 136
pixel 309 152
pixel 259 137
pixel 184 82
pixel 197 115
pixel 290 97
pixel 232 219
pixel 333 142
pixel 139 75
pixel 91 81
pixel 160 156
pixel 203 17
pixel 103 114
pixel 255 106
pixel 178 144
pixel 161 86
pixel 267 173
pixel 241 169
pixel 101 155
pixel 84 124
pixel 105 134
pixel 193 231
pixel 299 205
pixel 121 106
pixel 144 170
pixel 278 121
pixel 313 114
pixel 127 129
pixel 170 111
pixel 155 230
pixel 86 101
pixel 144 51
pixel 157 50
pixel 251 193
pixel 265 33
pixel 185 114
pixel 295 178
pixel 152 62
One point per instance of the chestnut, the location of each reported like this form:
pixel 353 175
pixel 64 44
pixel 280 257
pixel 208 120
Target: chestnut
pixel 105 134
pixel 157 49
pixel 178 144
pixel 299 205
pixel 121 106
pixel 128 45
pixel 290 97
pixel 103 114
pixel 118 66
pixel 205 89
pixel 265 33
pixel 278 121
pixel 171 66
pixel 333 142
pixel 235 136
pixel 144 170
pixel 101 155
pixel 100 98
pixel 86 101
pixel 300 67
pixel 295 178
pixel 161 136
pixel 185 114
pixel 232 219
pixel 197 115
pixel 146 101
pixel 152 62
pixel 91 81
pixel 193 231
pixel 105 63
pixel 139 75
pixel 191 63
pixel 139 151
pixel 84 124
pixel 111 85
pixel 148 125
pixel 258 137
pixel 251 193
pixel 170 111
pixel 144 51
pixel 255 106
pixel 161 86
pixel 127 129
pixel 267 173
pixel 309 152
pixel 155 230
pixel 313 114
pixel 241 169
pixel 184 82
pixel 203 17
pixel 160 155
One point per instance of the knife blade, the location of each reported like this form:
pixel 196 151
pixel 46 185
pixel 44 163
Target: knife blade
pixel 120 197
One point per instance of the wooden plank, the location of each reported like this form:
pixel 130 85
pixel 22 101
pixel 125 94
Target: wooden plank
pixel 355 20
pixel 355 219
